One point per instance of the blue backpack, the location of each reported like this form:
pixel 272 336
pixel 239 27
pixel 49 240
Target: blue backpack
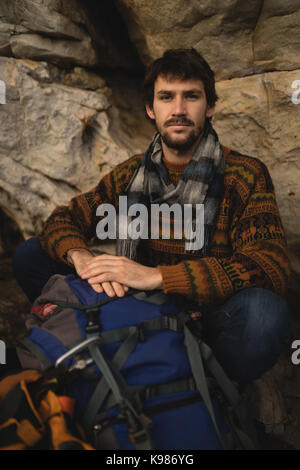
pixel 143 378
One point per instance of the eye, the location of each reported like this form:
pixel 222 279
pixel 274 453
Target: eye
pixel 165 97
pixel 192 96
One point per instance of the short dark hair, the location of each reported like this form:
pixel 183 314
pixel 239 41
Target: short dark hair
pixel 183 64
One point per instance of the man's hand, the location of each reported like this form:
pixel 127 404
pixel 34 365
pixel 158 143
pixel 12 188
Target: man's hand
pixel 119 269
pixel 81 259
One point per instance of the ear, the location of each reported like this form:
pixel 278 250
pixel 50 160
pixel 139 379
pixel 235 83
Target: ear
pixel 210 111
pixel 150 111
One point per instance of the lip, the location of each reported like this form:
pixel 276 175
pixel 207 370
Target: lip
pixel 178 125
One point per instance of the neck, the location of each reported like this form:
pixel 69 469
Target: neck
pixel 177 155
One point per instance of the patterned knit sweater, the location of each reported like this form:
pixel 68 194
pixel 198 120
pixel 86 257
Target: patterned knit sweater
pixel 248 248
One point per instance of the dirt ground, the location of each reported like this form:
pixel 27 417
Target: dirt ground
pixel 274 399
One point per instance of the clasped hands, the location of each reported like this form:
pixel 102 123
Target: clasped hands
pixel 114 274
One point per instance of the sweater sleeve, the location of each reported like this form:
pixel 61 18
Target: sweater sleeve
pixel 73 225
pixel 259 253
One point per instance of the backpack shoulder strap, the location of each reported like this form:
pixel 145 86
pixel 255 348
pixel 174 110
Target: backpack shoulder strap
pixel 199 354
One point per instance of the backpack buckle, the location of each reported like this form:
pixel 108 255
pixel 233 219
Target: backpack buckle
pixel 93 326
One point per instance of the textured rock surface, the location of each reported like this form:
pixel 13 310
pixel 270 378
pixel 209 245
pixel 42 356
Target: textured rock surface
pixel 221 31
pixel 34 46
pixel 66 33
pixel 59 34
pixel 237 38
pixel 276 38
pixel 55 140
pixel 256 116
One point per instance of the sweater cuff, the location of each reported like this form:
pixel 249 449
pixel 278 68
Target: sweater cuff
pixel 63 246
pixel 175 279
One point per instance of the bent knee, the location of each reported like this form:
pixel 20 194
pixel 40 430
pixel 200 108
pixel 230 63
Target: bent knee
pixel 266 314
pixel 26 254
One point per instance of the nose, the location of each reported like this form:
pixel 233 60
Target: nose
pixel 179 106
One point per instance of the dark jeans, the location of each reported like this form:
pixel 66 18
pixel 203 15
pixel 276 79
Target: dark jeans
pixel 247 333
pixel 32 267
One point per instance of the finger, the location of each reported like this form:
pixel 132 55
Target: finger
pixel 109 290
pixel 106 277
pixel 97 288
pixel 118 288
pixel 99 268
pixel 103 260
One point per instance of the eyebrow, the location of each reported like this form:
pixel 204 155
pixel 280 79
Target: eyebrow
pixel 192 90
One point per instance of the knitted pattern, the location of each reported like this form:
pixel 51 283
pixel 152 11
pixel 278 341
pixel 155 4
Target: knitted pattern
pixel 248 247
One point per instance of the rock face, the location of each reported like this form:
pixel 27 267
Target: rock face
pixel 46 31
pixel 276 37
pixel 72 76
pixel 56 140
pixel 220 30
pixel 237 38
pixel 59 129
pixel 62 33
pixel 258 116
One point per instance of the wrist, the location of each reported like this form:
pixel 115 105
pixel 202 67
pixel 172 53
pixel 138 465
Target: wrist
pixel 157 279
pixel 75 253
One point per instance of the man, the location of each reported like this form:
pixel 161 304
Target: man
pixel 239 275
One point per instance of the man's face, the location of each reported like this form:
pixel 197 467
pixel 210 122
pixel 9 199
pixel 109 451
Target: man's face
pixel 179 109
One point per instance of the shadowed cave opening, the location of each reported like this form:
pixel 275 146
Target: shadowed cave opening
pixel 10 235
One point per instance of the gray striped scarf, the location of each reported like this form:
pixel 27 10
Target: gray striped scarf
pixel 201 183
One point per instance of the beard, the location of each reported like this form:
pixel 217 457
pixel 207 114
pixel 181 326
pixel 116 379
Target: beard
pixel 180 143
